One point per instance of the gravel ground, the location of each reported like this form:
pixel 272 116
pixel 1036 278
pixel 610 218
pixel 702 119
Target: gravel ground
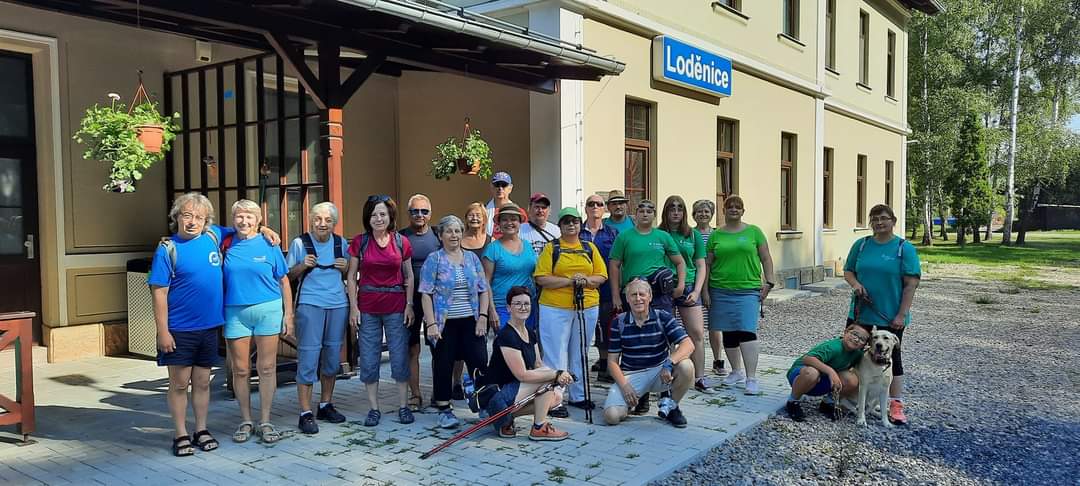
pixel 993 395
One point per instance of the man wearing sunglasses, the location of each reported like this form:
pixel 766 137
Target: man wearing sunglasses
pixel 501 187
pixel 424 242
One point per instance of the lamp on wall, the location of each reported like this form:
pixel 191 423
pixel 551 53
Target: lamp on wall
pixel 203 52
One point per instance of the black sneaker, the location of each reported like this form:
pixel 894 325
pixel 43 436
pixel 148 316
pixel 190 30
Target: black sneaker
pixel 642 407
pixel 675 418
pixel 307 424
pixel 330 414
pixel 559 412
pixel 829 410
pixel 595 366
pixel 584 404
pixel 458 392
pixel 795 412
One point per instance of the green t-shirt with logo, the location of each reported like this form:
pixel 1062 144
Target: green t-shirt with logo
pixel 691 248
pixel 832 353
pixel 641 255
pixel 736 264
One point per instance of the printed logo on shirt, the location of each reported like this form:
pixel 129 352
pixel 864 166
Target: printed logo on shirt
pixel 215 258
pixel 742 239
pixel 887 257
pixel 656 245
pixel 259 259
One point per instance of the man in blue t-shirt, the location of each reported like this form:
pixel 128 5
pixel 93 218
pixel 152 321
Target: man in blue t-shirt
pixel 322 312
pixel 640 361
pixel 186 284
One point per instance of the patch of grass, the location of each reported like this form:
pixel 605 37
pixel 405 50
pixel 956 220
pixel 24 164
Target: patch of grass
pixel 770 371
pixel 594 465
pixel 1034 310
pixel 984 300
pixel 1020 278
pixel 558 475
pixel 1042 248
pixel 632 455
pixel 628 440
pixel 1011 290
pixel 324 453
pixel 721 401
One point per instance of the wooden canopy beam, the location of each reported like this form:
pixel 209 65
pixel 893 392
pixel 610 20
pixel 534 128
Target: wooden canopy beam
pixel 295 60
pixel 362 72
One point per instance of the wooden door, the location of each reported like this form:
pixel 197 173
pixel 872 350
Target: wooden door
pixel 20 271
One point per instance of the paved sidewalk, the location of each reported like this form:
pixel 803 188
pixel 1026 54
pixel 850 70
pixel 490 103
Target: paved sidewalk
pixel 105 421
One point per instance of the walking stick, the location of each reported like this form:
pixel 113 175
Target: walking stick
pixel 579 305
pixel 481 424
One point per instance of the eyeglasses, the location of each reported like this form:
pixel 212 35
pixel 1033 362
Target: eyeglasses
pixel 192 216
pixel 858 338
pixel 419 211
pixel 500 185
pixel 378 198
pixel 881 219
pixel 521 304
pixel 595 204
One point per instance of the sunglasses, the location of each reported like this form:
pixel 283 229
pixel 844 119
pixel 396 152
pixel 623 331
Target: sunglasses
pixel 419 211
pixel 646 206
pixel 501 185
pixel 595 204
pixel 378 198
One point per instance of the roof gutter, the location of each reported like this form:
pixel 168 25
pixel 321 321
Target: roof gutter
pixel 483 27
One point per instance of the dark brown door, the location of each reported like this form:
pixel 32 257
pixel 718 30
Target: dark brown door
pixel 20 272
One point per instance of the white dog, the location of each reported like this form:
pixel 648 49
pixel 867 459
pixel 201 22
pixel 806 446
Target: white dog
pixel 875 374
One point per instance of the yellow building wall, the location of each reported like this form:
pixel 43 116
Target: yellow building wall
pixel 849 138
pixel 755 37
pixel 684 151
pixel 842 83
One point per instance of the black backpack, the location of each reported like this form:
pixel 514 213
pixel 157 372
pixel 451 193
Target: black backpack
pixel 309 249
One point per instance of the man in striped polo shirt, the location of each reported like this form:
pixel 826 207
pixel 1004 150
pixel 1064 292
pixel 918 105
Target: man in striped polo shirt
pixel 639 359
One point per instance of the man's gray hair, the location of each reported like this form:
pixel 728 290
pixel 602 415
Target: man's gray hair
pixel 247 206
pixel 447 221
pixel 417 197
pixel 637 282
pixel 328 207
pixel 195 199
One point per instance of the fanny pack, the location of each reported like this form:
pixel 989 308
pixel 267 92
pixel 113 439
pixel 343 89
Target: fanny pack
pixel 662 281
pixel 482 396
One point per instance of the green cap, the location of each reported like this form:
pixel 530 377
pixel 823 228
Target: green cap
pixel 569 212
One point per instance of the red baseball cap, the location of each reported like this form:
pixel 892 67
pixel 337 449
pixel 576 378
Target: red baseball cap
pixel 539 196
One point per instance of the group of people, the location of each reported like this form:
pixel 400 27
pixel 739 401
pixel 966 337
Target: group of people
pixel 545 290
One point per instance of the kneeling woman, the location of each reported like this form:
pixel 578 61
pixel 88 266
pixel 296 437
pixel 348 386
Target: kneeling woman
pixel 258 301
pixel 517 369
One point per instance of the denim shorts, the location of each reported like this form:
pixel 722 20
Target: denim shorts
pixel 319 334
pixel 193 348
pixel 823 387
pixel 503 398
pixel 681 301
pixel 263 319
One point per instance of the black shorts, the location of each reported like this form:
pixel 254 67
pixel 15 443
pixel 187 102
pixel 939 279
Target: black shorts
pixel 603 324
pixel 193 348
pixel 418 321
pixel 897 361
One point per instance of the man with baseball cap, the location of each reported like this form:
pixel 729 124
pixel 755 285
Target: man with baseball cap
pixel 617 205
pixel 501 187
pixel 539 231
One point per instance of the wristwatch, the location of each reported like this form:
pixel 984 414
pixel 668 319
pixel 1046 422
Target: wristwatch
pixel 770 284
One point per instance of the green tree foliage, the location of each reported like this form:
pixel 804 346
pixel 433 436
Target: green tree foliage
pixel 968 180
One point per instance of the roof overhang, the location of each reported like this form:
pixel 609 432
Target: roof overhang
pixel 929 7
pixel 421 35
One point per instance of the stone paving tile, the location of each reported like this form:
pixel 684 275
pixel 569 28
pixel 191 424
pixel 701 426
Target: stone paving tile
pixel 105 421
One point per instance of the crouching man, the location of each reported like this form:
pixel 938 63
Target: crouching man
pixel 640 362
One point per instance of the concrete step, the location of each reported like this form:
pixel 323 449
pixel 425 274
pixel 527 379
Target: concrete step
pixel 830 283
pixel 781 295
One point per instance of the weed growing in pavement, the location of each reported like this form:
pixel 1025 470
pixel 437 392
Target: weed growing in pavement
pixel 984 300
pixel 594 465
pixel 721 401
pixel 632 455
pixel 558 475
pixel 770 371
pixel 1010 290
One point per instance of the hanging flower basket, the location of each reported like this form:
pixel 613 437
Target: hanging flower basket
pixel 131 140
pixel 470 156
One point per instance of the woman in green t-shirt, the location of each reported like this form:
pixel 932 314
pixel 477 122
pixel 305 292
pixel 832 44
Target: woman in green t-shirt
pixel 674 220
pixel 740 272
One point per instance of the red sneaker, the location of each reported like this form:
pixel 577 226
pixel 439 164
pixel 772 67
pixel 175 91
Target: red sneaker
pixel 896 412
pixel 508 431
pixel 547 432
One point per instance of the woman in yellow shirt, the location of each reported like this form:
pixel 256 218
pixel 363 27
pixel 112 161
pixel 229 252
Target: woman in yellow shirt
pixel 563 264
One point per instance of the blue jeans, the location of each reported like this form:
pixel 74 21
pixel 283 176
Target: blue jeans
pixel 372 328
pixel 319 333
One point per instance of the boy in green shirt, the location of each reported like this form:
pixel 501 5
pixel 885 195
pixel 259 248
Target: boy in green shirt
pixel 826 368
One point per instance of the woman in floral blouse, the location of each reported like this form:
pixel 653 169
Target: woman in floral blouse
pixel 454 290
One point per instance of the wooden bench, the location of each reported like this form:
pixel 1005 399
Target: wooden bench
pixel 16 331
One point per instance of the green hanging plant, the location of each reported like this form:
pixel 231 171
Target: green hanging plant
pixel 131 140
pixel 471 156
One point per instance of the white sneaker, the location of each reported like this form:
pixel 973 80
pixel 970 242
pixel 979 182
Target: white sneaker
pixel 735 377
pixel 752 387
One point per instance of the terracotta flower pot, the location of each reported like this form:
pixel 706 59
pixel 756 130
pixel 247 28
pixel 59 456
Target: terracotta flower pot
pixel 465 167
pixel 151 137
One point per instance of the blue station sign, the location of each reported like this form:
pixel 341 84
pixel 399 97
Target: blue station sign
pixel 692 68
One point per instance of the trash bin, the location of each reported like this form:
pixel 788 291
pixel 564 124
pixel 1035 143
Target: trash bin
pixel 142 331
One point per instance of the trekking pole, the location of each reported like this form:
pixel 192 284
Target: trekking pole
pixel 481 424
pixel 579 306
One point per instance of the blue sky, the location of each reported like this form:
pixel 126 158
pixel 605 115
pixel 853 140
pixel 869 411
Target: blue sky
pixel 1074 123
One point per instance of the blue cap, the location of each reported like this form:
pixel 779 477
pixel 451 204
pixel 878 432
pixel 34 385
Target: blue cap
pixel 501 177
